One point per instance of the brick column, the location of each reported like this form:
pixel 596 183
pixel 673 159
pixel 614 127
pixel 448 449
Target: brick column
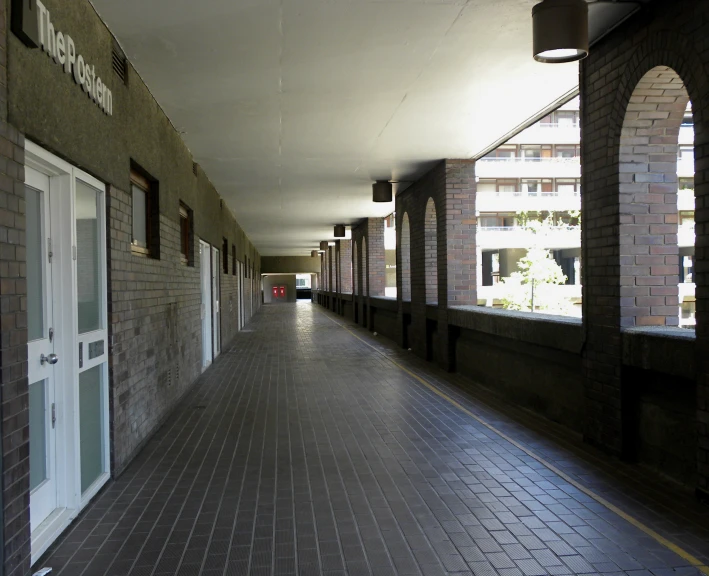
pixel 376 263
pixel 461 226
pixel 376 257
pixel 701 190
pixel 13 352
pixel 15 464
pixel 346 266
pixel 649 254
pixel 457 254
pixel 331 277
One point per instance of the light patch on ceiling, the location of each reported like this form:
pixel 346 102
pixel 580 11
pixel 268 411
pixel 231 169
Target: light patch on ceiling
pixel 294 108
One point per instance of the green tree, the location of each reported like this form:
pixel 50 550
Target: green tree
pixel 532 287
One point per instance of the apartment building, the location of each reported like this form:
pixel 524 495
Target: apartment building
pixel 537 176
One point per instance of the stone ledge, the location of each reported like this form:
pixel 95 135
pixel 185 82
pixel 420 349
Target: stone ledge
pixel 661 349
pixel 559 332
pixel 384 303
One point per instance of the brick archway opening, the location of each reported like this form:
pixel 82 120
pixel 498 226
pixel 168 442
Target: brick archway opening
pixel 405 251
pixel 431 252
pixel 648 187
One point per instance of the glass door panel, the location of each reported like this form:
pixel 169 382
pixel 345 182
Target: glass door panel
pixel 92 431
pixel 40 348
pixel 92 333
pixel 88 258
pixel 39 468
pixel 36 274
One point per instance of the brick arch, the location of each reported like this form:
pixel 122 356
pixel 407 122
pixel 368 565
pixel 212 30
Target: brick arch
pixel 405 252
pixel 609 79
pixel 664 49
pixel 430 226
pixel 647 186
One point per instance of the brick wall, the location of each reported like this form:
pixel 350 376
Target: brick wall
pixel 230 302
pixel 628 200
pixel 461 226
pixel 649 254
pixel 369 265
pixel 438 213
pixel 430 243
pixel 154 313
pixel 376 256
pixel 154 324
pixel 13 337
pixel 356 289
pixel 403 254
pixel 13 345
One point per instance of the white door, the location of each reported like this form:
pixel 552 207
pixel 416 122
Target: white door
pixel 216 297
pixel 40 349
pixel 205 259
pixel 67 342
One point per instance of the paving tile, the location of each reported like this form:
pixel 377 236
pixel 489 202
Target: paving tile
pixel 312 453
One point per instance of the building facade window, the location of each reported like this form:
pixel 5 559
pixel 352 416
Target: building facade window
pixel 233 260
pixel 225 255
pixel 567 187
pixel 146 213
pixel 567 151
pixel 686 183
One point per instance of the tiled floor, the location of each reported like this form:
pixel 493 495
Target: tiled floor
pixel 305 451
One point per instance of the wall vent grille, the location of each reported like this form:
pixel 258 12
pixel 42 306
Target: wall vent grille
pixel 119 64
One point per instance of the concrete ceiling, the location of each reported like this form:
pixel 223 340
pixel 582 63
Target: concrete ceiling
pixel 294 107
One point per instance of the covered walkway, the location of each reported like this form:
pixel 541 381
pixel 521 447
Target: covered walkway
pixel 313 447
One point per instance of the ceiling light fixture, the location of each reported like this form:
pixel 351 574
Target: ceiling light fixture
pixel 382 191
pixel 323 246
pixel 340 231
pixel 560 31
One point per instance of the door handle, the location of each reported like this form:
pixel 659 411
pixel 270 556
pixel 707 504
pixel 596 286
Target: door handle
pixel 51 359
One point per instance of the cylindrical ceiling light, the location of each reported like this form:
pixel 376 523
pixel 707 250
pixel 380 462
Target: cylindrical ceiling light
pixel 382 191
pixel 560 30
pixel 323 246
pixel 340 231
pixel 314 254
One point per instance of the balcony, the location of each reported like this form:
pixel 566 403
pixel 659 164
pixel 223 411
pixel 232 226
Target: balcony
pixel 553 238
pixel 526 202
pixel 685 200
pixel 540 133
pixel 685 167
pixel 686 135
pixel 529 168
pixel 685 235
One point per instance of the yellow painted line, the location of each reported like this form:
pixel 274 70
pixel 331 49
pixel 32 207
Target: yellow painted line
pixel 691 559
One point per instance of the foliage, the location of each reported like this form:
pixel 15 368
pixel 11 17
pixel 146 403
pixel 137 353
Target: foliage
pixel 534 286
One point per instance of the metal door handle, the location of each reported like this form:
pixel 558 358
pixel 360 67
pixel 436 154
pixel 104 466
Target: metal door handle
pixel 51 359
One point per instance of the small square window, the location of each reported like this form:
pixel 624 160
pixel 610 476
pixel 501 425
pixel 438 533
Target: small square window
pixel 186 252
pixel 145 236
